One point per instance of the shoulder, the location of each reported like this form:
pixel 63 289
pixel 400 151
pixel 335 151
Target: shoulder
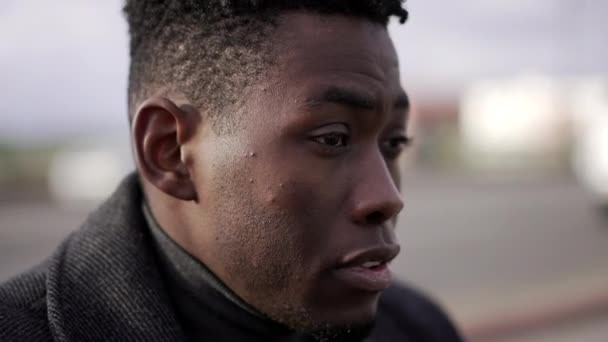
pixel 23 311
pixel 416 315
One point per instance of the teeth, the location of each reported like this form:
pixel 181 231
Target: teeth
pixel 371 264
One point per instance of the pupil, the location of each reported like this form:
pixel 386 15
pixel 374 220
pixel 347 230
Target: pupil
pixel 333 139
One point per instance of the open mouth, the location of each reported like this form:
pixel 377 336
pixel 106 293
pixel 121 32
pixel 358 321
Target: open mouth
pixel 367 270
pixel 372 276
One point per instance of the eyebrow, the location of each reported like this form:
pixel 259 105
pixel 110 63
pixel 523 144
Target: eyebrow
pixel 353 98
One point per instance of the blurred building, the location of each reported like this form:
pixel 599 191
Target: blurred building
pixel 539 122
pixel 520 122
pixel 590 124
pixel 83 176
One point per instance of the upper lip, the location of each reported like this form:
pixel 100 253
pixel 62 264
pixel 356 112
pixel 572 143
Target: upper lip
pixel 384 254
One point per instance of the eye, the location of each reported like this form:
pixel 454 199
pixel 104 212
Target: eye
pixel 333 136
pixel 393 147
pixel 334 139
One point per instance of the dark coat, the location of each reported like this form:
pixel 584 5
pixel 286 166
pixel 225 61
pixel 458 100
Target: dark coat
pixel 103 284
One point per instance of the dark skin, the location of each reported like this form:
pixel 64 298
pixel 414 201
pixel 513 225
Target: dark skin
pixel 310 176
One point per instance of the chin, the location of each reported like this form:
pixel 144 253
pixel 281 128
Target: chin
pixel 353 331
pixel 335 315
pixel 354 307
pixel 362 311
pixel 347 320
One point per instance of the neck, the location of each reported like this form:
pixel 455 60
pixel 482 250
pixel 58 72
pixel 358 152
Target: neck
pixel 169 214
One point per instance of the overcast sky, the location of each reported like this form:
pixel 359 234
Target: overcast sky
pixel 63 63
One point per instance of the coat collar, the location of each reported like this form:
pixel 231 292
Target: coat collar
pixel 104 283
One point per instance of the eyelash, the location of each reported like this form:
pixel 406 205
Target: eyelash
pixel 392 147
pixel 339 135
pixel 402 142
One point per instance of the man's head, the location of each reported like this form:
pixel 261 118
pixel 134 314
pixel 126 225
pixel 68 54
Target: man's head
pixel 266 134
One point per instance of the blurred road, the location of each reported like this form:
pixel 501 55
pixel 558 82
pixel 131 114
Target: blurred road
pixel 485 247
pixel 503 248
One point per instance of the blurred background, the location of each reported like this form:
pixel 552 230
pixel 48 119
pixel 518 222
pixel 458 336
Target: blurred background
pixel 506 186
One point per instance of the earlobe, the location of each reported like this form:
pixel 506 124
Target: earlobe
pixel 160 131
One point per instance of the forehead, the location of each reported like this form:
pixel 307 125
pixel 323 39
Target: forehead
pixel 337 48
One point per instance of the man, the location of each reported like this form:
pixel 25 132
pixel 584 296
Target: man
pixel 266 136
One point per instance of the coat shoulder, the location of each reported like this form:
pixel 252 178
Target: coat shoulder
pixel 406 310
pixel 23 309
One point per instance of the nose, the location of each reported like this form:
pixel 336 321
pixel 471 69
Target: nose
pixel 376 197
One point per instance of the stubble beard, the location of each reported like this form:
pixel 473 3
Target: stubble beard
pixel 255 249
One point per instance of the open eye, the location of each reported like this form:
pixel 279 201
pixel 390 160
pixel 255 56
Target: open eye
pixel 393 147
pixel 334 139
pixel 334 135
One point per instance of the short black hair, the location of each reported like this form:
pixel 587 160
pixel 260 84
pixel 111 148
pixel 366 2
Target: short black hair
pixel 211 50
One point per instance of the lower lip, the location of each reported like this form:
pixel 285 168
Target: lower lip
pixel 373 280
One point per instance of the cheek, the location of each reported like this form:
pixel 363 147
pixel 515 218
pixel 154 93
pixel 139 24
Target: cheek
pixel 314 208
pixel 259 225
pixel 271 217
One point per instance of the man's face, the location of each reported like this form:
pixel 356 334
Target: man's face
pixel 295 202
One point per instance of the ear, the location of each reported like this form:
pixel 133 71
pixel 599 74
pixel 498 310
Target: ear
pixel 160 130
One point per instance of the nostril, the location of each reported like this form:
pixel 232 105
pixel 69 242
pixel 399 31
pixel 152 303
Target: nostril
pixel 376 217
